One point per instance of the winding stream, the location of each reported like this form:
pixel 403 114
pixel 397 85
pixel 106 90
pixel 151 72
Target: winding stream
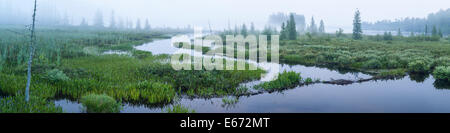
pixel 410 94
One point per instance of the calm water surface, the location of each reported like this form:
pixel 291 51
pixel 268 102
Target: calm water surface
pixel 406 95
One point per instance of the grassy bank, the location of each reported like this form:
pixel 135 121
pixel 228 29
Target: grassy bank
pixel 69 64
pixel 367 55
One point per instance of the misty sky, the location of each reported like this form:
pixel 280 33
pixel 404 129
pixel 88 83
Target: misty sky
pixel 335 13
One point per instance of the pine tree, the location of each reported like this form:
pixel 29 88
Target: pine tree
pixel 434 31
pixel 236 30
pixel 252 28
pixel 98 19
pixel 283 31
pixel 357 31
pixel 138 24
pixel 399 33
pixel 112 23
pixel 339 32
pixel 426 30
pixel 244 31
pixel 84 23
pixel 121 24
pixel 440 33
pixel 322 27
pixel 292 30
pixel 313 27
pixel 147 25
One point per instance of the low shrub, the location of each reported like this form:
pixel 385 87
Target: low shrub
pixel 179 109
pixel 308 81
pixel 372 64
pixel 17 104
pixel 396 73
pixel 94 103
pixel 55 75
pixel 230 100
pixel 285 80
pixel 418 66
pixel 442 73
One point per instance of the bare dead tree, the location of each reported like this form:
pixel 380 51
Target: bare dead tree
pixel 30 60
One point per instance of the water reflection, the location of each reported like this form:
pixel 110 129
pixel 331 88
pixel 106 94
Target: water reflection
pixel 414 93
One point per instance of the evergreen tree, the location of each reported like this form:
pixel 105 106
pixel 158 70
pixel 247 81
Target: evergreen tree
pixel 121 24
pixel 98 19
pixel 357 31
pixel 252 28
pixel 313 27
pixel 399 33
pixel 440 33
pixel 112 23
pixel 387 36
pixel 236 30
pixel 84 23
pixel 283 32
pixel 65 20
pixel 147 25
pixel 322 27
pixel 434 31
pixel 339 32
pixel 244 31
pixel 138 24
pixel 292 30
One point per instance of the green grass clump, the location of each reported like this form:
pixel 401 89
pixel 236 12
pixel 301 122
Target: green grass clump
pixel 179 109
pixel 17 104
pixel 55 75
pixel 94 103
pixel 308 81
pixel 418 66
pixel 442 73
pixel 230 100
pixel 285 80
pixel 396 73
pixel 366 55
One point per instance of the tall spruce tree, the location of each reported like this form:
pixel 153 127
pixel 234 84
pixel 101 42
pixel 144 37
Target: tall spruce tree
pixel 313 26
pixel 147 25
pixel 283 32
pixel 252 28
pixel 434 31
pixel 244 31
pixel 138 24
pixel 98 19
pixel 84 23
pixel 357 31
pixel 112 23
pixel 322 27
pixel 292 30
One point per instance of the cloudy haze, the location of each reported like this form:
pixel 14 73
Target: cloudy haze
pixel 180 13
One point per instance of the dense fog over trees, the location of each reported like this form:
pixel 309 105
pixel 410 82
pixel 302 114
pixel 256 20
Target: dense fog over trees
pixel 183 14
pixel 441 20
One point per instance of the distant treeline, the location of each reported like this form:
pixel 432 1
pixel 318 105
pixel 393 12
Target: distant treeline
pixel 440 20
pixel 279 18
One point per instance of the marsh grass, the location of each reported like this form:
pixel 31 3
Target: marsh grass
pixel 179 109
pixel 68 64
pixel 17 104
pixel 94 103
pixel 442 73
pixel 285 80
pixel 366 55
